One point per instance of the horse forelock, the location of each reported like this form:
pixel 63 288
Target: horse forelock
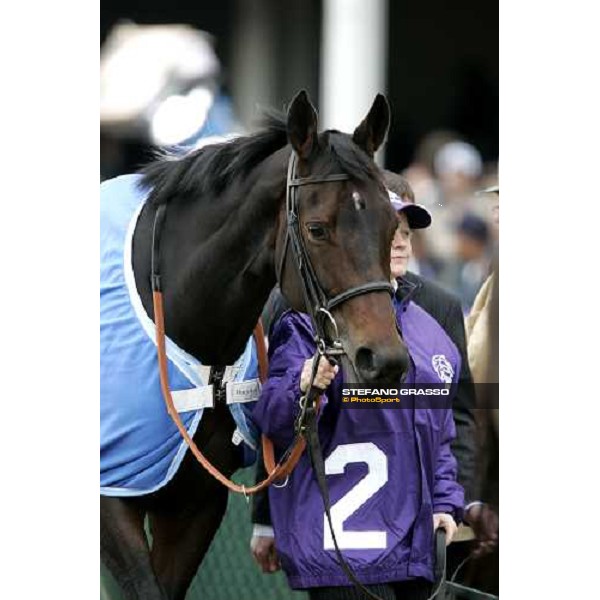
pixel 347 156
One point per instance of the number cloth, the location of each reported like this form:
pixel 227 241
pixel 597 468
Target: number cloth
pixel 389 469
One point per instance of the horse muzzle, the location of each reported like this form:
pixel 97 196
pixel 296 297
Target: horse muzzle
pixel 381 366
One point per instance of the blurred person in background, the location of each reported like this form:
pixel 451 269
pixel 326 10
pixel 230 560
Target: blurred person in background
pixel 420 173
pixel 160 85
pixel 445 174
pixel 477 321
pixel 482 333
pixel 471 265
pixel 457 167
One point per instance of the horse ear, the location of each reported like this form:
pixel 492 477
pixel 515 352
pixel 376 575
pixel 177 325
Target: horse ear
pixel 372 131
pixel 302 125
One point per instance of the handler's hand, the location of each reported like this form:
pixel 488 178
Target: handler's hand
pixel 325 374
pixel 484 521
pixel 445 521
pixel 263 550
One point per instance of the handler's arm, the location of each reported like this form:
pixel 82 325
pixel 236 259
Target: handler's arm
pixel 278 405
pixel 463 445
pixel 448 494
pixel 261 512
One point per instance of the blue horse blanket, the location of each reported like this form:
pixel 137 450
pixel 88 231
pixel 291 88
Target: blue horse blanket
pixel 140 446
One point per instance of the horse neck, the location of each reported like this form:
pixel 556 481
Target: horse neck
pixel 217 265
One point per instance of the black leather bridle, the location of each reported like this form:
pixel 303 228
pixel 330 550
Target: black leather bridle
pixel 317 303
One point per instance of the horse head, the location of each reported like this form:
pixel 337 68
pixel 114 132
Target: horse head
pixel 346 226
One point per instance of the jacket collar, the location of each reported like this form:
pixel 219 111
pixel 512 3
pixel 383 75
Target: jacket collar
pixel 406 289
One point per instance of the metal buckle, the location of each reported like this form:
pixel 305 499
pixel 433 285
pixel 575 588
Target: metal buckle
pixel 219 392
pixel 333 323
pixel 216 379
pixel 246 497
pixel 299 424
pixel 275 485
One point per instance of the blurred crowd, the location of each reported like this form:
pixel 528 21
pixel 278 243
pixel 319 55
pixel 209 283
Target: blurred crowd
pixel 180 100
pixel 448 176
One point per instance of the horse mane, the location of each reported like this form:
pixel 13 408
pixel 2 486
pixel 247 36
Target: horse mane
pixel 210 169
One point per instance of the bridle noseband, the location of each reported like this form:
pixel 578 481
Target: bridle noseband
pixel 317 303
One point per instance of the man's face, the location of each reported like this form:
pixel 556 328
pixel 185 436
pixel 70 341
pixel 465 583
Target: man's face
pixel 401 247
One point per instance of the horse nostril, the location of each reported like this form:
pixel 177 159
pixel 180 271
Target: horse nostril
pixel 365 362
pixel 382 367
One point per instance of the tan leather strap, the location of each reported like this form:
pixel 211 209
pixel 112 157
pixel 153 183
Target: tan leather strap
pixel 261 350
pixel 278 471
pixel 263 369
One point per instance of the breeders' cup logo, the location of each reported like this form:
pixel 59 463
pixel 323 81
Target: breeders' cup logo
pixel 442 367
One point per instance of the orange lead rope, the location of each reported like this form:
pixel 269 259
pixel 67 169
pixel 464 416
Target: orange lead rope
pixel 267 445
pixel 275 471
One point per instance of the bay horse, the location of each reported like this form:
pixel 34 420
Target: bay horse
pixel 222 242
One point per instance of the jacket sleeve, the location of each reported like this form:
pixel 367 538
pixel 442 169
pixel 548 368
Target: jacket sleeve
pixel 261 512
pixel 463 406
pixel 445 308
pixel 448 494
pixel 277 408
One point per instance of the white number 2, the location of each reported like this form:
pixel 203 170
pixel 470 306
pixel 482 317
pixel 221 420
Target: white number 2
pixel 348 504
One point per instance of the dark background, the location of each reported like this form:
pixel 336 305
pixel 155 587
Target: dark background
pixel 442 59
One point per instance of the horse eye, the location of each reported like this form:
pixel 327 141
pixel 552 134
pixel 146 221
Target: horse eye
pixel 317 231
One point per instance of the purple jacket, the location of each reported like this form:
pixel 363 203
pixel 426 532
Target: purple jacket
pixel 388 469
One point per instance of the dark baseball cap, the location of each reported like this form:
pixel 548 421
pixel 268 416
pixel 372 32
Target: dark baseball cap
pixel 474 227
pixel 418 216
